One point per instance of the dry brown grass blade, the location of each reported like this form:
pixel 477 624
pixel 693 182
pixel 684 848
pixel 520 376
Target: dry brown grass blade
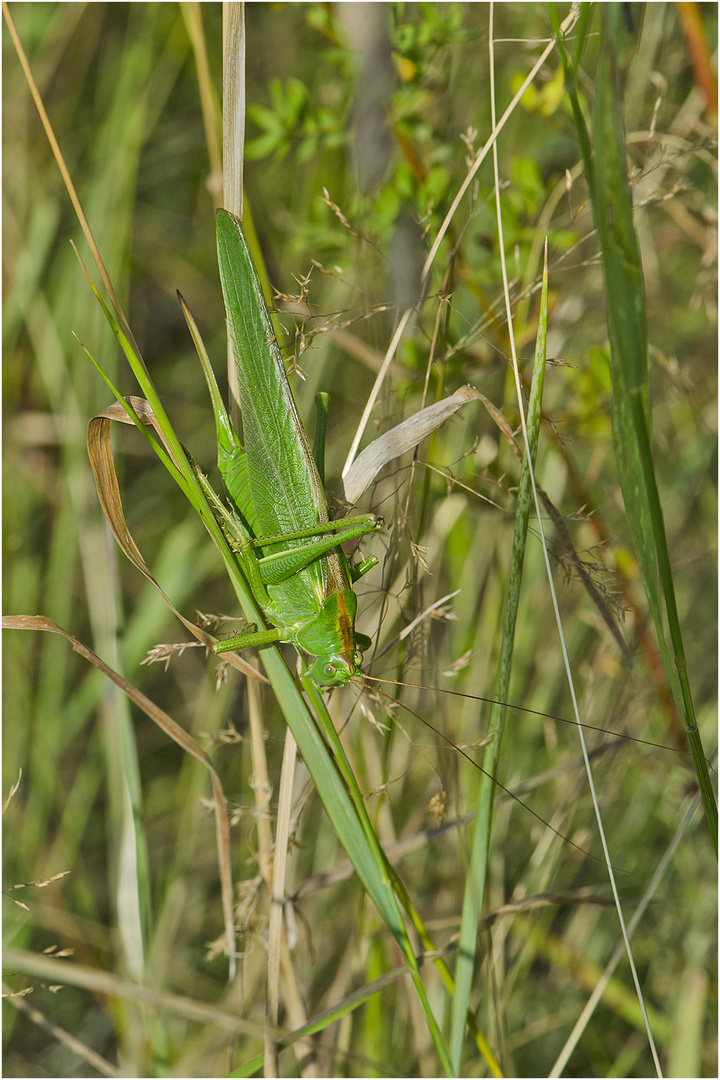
pixel 177 734
pixel 103 467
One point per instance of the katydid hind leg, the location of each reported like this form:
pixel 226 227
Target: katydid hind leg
pixel 360 525
pixel 281 565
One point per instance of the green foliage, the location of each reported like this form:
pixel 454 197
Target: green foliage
pixel 291 125
pixel 421 32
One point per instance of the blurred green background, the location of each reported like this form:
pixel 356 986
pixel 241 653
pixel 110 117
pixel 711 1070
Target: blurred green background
pixel 383 113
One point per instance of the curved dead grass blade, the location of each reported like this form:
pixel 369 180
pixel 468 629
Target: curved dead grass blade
pixel 176 733
pixel 103 467
pixel 398 440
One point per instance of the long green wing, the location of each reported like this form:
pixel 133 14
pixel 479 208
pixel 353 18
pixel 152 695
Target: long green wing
pixel 286 491
pixel 284 481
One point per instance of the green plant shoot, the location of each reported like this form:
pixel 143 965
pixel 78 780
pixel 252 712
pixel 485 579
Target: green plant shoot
pixel 279 523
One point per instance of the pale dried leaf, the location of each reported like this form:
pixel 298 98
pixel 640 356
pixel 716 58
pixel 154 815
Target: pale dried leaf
pixel 398 441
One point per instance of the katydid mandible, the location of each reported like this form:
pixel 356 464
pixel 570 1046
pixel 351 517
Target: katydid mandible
pixel 279 522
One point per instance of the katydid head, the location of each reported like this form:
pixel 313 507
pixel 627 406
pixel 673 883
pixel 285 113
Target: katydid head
pixel 331 637
pixel 335 669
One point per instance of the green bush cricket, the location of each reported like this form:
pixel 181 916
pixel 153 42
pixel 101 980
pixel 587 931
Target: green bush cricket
pixel 272 484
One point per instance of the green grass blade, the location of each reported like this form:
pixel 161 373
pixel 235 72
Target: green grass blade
pixel 570 67
pixel 477 871
pixel 627 333
pixel 606 174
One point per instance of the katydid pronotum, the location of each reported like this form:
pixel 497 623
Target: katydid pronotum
pixel 278 522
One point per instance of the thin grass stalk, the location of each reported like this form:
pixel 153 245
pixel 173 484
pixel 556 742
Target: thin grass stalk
pixel 262 786
pixel 233 106
pixel 281 972
pixel 233 152
pixel 477 870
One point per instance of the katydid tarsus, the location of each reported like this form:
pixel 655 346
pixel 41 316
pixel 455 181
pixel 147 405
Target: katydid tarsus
pixel 278 519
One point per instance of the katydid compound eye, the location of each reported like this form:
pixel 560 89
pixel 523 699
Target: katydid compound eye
pixel 329 671
pixel 357 658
